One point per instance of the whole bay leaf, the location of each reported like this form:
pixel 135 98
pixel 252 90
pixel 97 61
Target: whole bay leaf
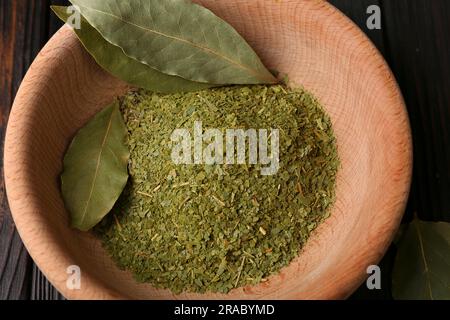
pixel 115 61
pixel 95 168
pixel 178 38
pixel 422 266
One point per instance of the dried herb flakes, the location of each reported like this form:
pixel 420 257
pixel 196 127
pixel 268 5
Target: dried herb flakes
pixel 205 228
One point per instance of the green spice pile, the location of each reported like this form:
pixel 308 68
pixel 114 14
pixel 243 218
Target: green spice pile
pixel 215 227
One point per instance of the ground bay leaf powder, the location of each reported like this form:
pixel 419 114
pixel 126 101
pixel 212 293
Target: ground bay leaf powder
pixel 215 227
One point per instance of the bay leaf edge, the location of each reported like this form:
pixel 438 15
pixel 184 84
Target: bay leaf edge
pixel 95 169
pixel 112 59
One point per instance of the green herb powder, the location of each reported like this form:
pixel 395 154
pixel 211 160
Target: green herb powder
pixel 198 228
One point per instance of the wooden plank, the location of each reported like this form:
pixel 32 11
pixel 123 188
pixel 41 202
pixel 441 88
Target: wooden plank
pixel 14 261
pixel 413 40
pixel 41 289
pixel 24 27
pixel 419 54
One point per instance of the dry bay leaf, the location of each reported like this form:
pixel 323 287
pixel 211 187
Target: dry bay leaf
pixel 178 38
pixel 422 265
pixel 112 59
pixel 95 168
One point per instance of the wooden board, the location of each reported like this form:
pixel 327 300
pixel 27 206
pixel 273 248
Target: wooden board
pixel 413 39
pixel 318 48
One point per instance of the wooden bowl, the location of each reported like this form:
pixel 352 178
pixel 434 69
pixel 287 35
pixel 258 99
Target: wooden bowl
pixel 318 48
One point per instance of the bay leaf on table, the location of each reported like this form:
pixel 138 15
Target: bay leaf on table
pixel 95 168
pixel 422 266
pixel 113 59
pixel 178 38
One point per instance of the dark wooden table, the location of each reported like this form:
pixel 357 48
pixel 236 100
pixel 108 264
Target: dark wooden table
pixel 415 40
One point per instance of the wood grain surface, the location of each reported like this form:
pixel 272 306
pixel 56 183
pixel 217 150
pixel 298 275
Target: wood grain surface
pixel 25 27
pixel 413 39
pixel 318 48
